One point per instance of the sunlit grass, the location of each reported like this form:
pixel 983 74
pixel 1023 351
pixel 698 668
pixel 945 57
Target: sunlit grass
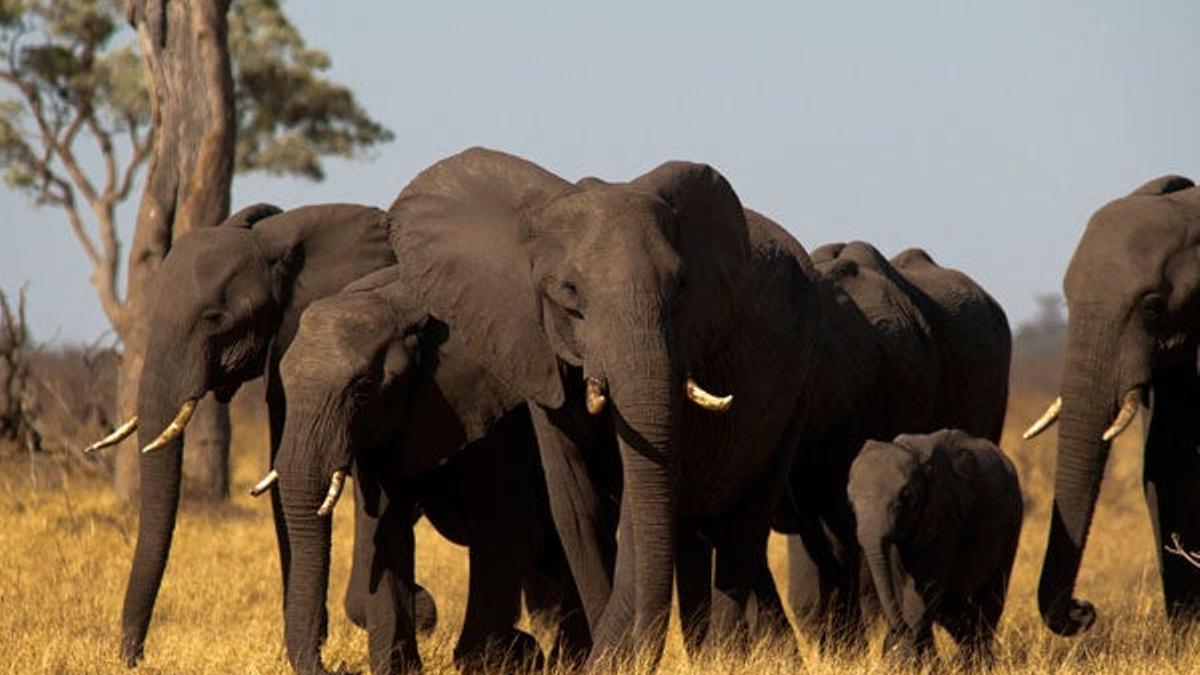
pixel 66 542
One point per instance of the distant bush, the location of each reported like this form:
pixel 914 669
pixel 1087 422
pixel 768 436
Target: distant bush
pixel 1038 349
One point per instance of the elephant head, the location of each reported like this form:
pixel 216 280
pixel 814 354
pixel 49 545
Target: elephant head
pixel 622 285
pixel 223 294
pixel 907 495
pixel 1133 298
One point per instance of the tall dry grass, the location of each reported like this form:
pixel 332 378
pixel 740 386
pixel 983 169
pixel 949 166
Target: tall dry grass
pixel 65 544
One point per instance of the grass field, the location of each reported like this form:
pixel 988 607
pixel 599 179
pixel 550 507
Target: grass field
pixel 65 546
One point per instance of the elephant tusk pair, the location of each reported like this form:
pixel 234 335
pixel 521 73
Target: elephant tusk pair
pixel 1129 407
pixel 336 483
pixel 119 434
pixel 1044 422
pixel 597 399
pixel 265 484
pixel 175 428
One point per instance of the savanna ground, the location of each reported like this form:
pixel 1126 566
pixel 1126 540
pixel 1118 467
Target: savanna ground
pixel 66 542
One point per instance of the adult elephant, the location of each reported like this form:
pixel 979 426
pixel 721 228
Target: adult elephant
pixel 932 350
pixel 374 384
pixel 225 311
pixel 1133 298
pixel 618 300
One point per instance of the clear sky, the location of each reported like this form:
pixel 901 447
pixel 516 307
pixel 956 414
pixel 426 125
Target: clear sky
pixel 985 132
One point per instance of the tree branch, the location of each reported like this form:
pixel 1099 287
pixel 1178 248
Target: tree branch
pixel 1176 548
pixel 139 151
pixel 105 145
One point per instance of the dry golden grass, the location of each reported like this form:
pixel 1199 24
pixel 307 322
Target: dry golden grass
pixel 65 544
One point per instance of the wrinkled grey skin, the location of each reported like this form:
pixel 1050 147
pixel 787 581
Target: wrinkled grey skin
pixel 225 310
pixel 926 348
pixel 636 285
pixel 938 519
pixel 374 384
pixel 1133 300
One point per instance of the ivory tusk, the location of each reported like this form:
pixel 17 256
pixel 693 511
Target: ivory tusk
pixel 1044 422
pixel 119 434
pixel 704 399
pixel 596 400
pixel 335 491
pixel 1129 408
pixel 265 484
pixel 175 428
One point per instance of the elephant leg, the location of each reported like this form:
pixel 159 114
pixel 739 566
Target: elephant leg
pixel 275 420
pixel 1172 488
pixel 918 609
pixel 844 628
pixel 550 593
pixel 355 600
pixel 612 640
pixel 742 572
pixel 693 586
pixel 488 640
pixel 804 585
pixel 582 514
pixel 389 598
pixel 973 624
pixel 770 620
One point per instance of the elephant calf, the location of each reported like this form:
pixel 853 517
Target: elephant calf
pixel 938 516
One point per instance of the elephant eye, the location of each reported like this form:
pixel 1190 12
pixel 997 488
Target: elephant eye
pixel 566 295
pixel 213 318
pixel 1154 306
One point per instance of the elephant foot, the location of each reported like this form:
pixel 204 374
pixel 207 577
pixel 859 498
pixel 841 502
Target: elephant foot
pixel 908 650
pixel 506 652
pixel 1077 618
pixel 572 642
pixel 424 610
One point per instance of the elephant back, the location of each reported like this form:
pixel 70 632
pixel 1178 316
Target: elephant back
pixel 974 341
pixel 911 363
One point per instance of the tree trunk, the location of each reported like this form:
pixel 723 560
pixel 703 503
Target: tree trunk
pixel 187 67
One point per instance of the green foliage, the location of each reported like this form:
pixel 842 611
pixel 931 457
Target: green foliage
pixel 75 71
pixel 288 116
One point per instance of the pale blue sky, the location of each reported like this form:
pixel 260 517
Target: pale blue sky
pixel 985 132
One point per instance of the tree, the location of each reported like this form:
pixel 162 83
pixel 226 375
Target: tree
pixel 211 87
pixel 16 424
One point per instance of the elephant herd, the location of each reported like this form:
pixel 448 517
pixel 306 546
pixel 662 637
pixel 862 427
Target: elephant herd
pixel 612 392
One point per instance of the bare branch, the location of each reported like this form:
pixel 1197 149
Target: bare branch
pixel 67 202
pixel 139 151
pixel 1176 548
pixel 67 155
pixel 105 145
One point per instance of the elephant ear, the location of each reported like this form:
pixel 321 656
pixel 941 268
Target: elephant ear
pixel 952 474
pixel 1164 185
pixel 459 231
pixel 710 231
pixel 250 215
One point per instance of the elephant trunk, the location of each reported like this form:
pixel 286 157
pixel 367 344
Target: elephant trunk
pixel 159 477
pixel 302 487
pixel 645 394
pixel 885 586
pixel 1089 392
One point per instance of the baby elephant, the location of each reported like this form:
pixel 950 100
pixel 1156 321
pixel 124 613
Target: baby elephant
pixel 939 516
